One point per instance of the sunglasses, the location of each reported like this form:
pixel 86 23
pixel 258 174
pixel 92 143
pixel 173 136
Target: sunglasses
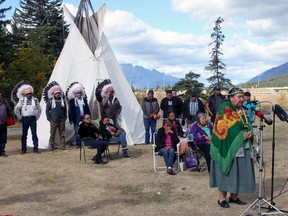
pixel 28 94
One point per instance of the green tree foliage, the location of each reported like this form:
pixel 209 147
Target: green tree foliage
pixel 5 39
pixel 189 83
pixel 40 23
pixel 6 50
pixel 2 14
pixel 216 66
pixel 32 65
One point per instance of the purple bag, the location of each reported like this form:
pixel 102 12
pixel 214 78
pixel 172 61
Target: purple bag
pixel 192 161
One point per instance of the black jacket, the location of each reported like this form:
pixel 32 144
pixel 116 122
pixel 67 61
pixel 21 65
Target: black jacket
pixel 74 111
pixel 105 132
pixel 160 139
pixel 57 114
pixel 177 105
pixel 88 131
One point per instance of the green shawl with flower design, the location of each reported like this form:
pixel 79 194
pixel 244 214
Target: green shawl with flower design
pixel 228 135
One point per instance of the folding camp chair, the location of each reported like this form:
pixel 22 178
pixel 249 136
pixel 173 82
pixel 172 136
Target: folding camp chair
pixel 200 154
pixel 82 146
pixel 155 155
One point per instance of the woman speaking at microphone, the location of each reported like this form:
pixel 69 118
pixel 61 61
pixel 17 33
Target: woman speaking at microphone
pixel 232 168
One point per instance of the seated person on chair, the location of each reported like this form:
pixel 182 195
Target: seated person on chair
pixel 202 132
pixel 176 126
pixel 166 145
pixel 111 133
pixel 91 136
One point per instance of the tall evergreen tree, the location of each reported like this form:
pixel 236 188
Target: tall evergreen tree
pixel 216 66
pixel 5 38
pixel 2 14
pixel 6 50
pixel 42 24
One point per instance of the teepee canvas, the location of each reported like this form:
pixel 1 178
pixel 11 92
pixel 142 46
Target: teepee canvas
pixel 88 59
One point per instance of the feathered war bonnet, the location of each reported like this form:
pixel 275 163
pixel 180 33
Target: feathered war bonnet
pixel 20 90
pixel 102 89
pixel 51 89
pixel 74 88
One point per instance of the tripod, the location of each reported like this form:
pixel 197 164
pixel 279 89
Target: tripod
pixel 260 199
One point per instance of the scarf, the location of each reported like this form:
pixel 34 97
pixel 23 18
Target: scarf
pixel 54 102
pixel 228 135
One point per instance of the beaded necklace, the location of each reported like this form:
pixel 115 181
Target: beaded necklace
pixel 245 123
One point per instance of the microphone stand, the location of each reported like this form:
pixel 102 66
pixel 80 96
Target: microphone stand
pixel 272 207
pixel 260 197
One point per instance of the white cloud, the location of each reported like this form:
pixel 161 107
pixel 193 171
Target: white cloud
pixel 246 54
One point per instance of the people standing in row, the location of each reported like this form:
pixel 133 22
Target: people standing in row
pixel 214 101
pixel 150 108
pixel 78 107
pixel 191 107
pixel 232 167
pixel 56 113
pixel 171 104
pixel 91 136
pixel 28 110
pixel 5 110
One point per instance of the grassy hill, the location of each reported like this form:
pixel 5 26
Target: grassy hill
pixel 278 81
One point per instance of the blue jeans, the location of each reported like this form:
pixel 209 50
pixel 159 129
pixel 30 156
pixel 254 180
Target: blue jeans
pixel 26 123
pixel 122 140
pixel 99 144
pixel 77 137
pixel 3 137
pixel 169 156
pixel 149 123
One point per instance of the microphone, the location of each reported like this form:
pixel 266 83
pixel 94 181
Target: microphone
pixel 282 115
pixel 255 102
pixel 259 114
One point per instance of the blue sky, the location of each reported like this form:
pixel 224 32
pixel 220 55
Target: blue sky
pixel 172 36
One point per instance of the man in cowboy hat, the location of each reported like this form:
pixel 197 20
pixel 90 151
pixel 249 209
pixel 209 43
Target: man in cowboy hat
pixel 28 110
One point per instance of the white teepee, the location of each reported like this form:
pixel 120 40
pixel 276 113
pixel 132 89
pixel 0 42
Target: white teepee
pixel 78 62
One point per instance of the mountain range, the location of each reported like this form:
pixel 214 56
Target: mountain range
pixel 271 73
pixel 140 77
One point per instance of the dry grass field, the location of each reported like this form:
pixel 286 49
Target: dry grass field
pixel 61 184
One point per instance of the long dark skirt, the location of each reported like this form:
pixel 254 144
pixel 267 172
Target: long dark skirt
pixel 240 179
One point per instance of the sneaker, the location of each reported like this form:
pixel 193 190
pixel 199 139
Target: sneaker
pixel 37 151
pixel 51 152
pixel 23 152
pixel 64 149
pixel 3 154
pixel 170 171
pixel 127 156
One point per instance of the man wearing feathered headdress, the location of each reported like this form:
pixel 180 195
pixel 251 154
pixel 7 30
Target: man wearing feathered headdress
pixel 110 104
pixel 28 110
pixel 56 113
pixel 78 107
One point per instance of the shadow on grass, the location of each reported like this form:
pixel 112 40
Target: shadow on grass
pixel 39 196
